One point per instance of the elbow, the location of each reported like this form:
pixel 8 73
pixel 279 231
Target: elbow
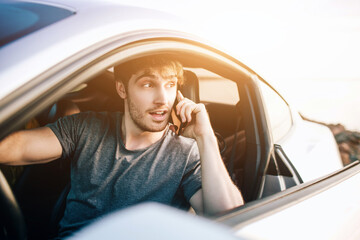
pixel 233 201
pixel 238 200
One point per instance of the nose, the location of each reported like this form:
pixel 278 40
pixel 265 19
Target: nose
pixel 161 96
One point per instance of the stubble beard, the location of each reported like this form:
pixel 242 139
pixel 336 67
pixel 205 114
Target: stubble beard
pixel 138 118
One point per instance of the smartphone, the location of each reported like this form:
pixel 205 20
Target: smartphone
pixel 181 125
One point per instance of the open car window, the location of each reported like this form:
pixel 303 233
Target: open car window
pixel 216 89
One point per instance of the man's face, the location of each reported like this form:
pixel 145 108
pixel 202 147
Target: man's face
pixel 150 96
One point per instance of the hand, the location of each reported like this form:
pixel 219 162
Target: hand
pixel 194 116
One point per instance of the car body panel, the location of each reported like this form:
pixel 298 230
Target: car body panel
pixel 157 222
pixel 329 213
pixel 72 50
pixel 311 148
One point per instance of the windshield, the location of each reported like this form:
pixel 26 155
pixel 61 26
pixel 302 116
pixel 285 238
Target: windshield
pixel 18 19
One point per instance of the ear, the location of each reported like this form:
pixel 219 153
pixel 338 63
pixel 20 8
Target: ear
pixel 121 90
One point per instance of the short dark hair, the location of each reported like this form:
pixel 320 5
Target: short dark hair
pixel 124 71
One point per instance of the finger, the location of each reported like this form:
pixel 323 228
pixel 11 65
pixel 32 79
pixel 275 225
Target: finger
pixel 188 111
pixel 180 105
pixel 179 96
pixel 182 112
pixel 185 111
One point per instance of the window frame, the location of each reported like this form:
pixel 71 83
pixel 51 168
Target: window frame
pixel 39 93
pixel 290 115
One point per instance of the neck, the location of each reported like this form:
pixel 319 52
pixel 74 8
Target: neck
pixel 135 138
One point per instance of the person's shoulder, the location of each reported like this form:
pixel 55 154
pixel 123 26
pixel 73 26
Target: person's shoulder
pixel 96 118
pixel 98 115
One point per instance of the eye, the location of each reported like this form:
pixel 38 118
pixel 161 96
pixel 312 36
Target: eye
pixel 171 84
pixel 147 85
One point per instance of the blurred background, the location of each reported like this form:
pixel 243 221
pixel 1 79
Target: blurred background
pixel 307 49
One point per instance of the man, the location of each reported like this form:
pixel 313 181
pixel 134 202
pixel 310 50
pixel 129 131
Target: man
pixel 120 160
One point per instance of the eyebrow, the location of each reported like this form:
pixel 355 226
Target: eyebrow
pixel 150 75
pixel 145 75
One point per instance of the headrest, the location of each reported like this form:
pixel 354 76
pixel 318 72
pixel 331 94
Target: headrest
pixel 190 88
pixel 59 109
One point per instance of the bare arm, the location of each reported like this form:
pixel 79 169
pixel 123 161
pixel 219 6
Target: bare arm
pixel 39 145
pixel 218 192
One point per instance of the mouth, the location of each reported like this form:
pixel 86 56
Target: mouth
pixel 159 115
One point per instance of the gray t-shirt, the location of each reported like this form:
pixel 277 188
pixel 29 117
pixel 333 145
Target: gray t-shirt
pixel 105 176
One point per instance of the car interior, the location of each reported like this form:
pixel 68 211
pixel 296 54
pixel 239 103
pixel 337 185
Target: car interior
pixel 41 189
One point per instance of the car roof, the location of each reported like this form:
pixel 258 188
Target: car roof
pixel 23 18
pixel 92 22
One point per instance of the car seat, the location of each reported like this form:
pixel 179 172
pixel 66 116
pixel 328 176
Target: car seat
pixel 190 88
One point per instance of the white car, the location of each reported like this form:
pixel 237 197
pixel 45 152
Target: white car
pixel 57 58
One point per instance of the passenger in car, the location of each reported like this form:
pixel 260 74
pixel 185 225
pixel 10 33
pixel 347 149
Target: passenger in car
pixel 122 159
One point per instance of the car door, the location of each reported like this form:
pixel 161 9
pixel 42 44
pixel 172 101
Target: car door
pixel 326 208
pixel 301 148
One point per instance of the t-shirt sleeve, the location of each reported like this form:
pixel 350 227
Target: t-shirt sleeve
pixel 67 130
pixel 191 181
